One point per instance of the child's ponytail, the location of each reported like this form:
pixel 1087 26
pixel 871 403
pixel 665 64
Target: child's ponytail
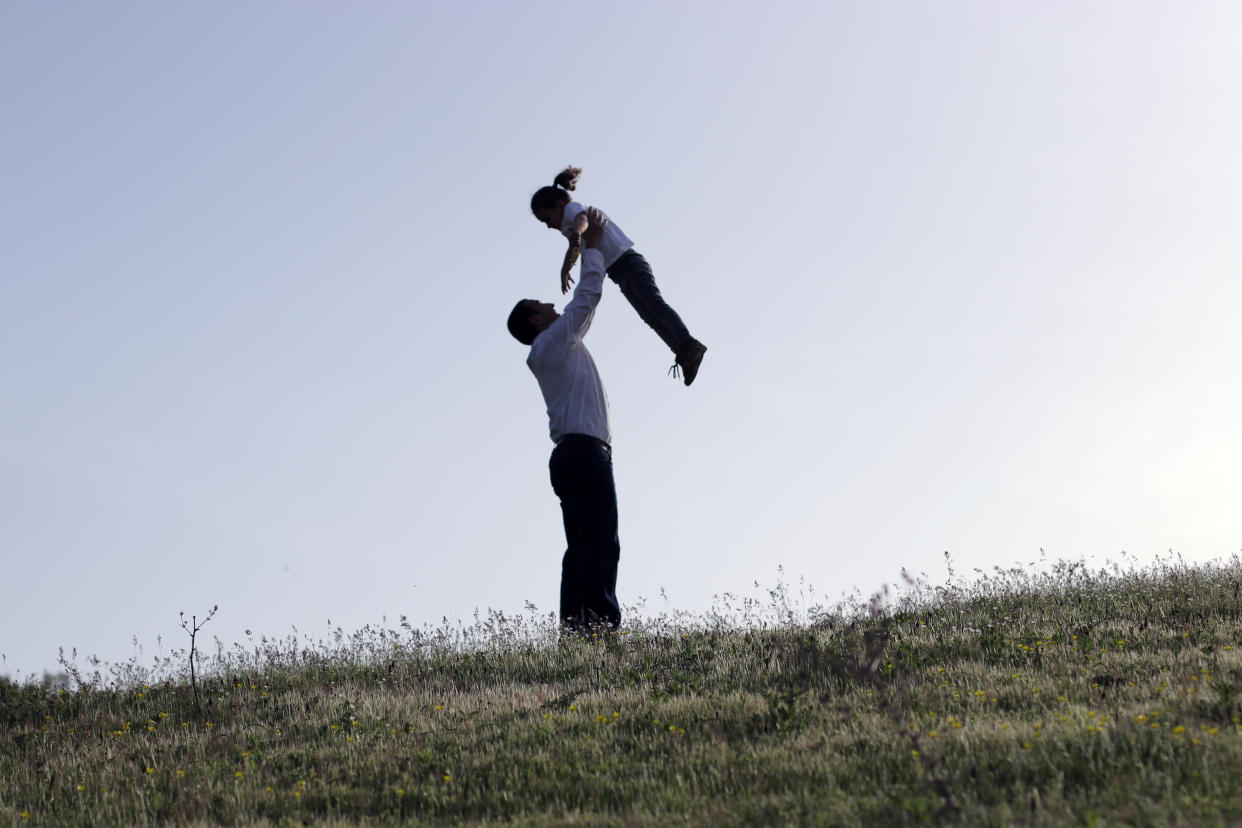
pixel 558 193
pixel 567 178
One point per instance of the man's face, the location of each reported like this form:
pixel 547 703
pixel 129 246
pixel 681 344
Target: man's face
pixel 542 314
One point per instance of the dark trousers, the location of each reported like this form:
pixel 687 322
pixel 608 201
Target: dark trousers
pixel 581 469
pixel 633 275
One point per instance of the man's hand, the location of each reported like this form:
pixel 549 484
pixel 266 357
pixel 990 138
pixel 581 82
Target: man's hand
pixel 595 230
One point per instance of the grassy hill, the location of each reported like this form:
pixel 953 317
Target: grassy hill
pixel 1064 698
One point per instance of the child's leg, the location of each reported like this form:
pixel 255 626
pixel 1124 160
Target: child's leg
pixel 633 275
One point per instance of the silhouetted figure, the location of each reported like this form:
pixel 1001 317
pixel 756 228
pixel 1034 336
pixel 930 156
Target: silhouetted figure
pixel 581 463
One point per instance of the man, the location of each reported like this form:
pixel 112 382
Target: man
pixel 581 464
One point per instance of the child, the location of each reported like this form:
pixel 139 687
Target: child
pixel 625 266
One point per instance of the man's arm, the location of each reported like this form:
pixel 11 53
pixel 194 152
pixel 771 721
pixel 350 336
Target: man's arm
pixel 581 309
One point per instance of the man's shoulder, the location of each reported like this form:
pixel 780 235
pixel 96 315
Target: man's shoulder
pixel 553 343
pixel 545 340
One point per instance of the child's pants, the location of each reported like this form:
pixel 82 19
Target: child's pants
pixel 633 275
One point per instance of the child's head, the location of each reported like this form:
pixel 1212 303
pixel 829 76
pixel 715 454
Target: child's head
pixel 548 203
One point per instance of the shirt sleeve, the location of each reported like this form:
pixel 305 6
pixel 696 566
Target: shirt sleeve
pixel 572 210
pixel 576 319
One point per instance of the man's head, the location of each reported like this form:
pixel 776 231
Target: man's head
pixel 528 319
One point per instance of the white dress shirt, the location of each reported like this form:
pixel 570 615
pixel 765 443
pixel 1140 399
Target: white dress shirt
pixel 612 245
pixel 563 366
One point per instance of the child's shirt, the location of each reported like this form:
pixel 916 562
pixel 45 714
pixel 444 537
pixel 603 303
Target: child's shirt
pixel 612 245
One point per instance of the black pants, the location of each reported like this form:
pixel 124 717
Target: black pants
pixel 581 469
pixel 633 275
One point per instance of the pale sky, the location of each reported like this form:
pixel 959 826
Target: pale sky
pixel 968 273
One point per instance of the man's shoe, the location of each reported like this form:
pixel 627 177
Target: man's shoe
pixel 689 355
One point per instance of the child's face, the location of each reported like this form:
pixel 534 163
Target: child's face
pixel 551 216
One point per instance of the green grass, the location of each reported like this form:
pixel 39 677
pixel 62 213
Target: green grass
pixel 1066 698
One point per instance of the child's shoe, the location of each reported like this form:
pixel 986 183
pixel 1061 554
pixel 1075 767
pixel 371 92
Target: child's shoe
pixel 689 355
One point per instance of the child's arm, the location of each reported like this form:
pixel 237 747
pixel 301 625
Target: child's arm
pixel 574 234
pixel 571 256
pixel 581 309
